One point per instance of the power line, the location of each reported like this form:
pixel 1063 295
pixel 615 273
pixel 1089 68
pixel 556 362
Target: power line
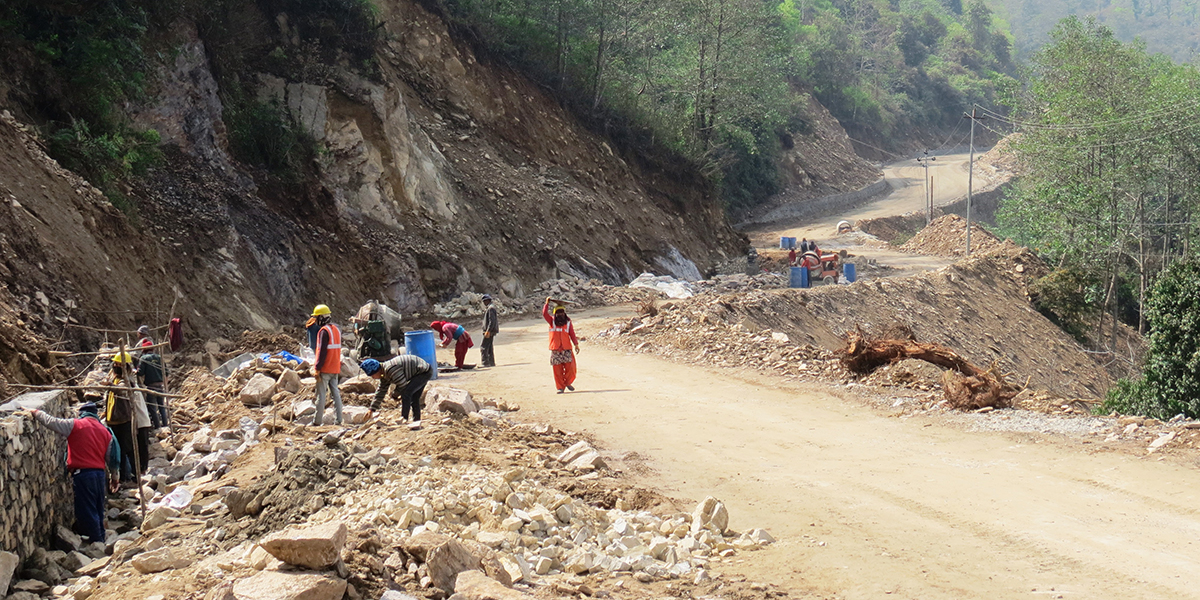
pixel 1094 124
pixel 1105 144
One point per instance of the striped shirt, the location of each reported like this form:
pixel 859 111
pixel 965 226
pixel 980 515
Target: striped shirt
pixel 398 372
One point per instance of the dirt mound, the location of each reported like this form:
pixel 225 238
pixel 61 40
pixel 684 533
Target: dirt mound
pixel 947 236
pixel 977 307
pixel 258 341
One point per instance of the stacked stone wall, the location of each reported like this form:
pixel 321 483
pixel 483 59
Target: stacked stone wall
pixel 35 489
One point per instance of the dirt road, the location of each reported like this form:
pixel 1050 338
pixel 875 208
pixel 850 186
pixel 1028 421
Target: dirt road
pixel 907 179
pixel 868 506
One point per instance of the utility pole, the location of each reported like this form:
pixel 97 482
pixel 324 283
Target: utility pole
pixel 971 173
pixel 924 162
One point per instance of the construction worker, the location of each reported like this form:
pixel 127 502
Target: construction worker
pixel 146 339
pixel 792 257
pixel 562 337
pixel 453 332
pixel 491 327
pixel 119 412
pixel 804 245
pixel 408 373
pixel 328 366
pixel 152 374
pixel 91 448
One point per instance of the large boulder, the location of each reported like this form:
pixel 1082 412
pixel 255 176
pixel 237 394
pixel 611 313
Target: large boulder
pixel 359 384
pixel 257 391
pixel 451 400
pixel 581 456
pixel 280 585
pixel 710 514
pixel 309 547
pixel 474 585
pixel 154 561
pixel 445 562
pixel 289 381
pixel 355 415
pixel 8 566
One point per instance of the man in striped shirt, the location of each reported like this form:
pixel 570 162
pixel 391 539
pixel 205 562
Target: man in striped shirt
pixel 408 373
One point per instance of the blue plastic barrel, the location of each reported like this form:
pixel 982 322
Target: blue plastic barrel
pixel 794 277
pixel 420 342
pixel 791 243
pixel 783 243
pixel 850 272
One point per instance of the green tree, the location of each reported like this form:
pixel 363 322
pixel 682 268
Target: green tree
pixel 1170 384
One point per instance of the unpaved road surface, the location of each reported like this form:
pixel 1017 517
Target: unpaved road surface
pixel 907 179
pixel 865 505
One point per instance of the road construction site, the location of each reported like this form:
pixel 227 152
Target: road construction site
pixel 717 446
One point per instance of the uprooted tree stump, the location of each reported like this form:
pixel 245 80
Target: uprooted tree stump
pixel 965 385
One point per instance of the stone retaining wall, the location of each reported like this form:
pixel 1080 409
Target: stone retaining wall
pixel 35 489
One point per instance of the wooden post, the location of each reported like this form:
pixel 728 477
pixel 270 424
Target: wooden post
pixel 137 473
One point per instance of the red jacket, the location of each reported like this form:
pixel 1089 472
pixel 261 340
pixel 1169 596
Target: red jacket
pixel 87 445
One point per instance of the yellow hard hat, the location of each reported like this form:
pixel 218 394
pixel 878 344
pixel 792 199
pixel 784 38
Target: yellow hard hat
pixel 121 358
pixel 560 308
pixel 321 309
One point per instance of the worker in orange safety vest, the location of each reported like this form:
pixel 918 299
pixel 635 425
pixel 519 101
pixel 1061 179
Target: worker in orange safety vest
pixel 562 337
pixel 328 366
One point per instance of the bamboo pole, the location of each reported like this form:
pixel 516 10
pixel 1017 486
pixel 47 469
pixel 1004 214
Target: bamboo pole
pixel 90 388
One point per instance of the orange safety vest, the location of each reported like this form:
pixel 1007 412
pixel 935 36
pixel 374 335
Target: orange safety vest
pixel 560 337
pixel 333 352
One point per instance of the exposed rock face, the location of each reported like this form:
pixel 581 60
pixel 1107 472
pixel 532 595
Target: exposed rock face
pixel 416 157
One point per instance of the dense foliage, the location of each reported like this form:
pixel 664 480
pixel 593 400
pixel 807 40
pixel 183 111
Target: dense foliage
pixel 719 81
pixel 1110 160
pixel 1170 27
pixel 1171 381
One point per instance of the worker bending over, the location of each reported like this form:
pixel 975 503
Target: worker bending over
pixel 453 332
pixel 408 373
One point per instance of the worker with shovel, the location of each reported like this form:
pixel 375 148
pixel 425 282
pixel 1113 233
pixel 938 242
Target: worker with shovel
pixel 562 337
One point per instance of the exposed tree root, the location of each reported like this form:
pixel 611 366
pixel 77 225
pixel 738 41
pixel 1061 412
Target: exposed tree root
pixel 966 386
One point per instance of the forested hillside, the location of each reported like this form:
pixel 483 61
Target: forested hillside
pixel 1109 156
pixel 720 83
pixel 1171 27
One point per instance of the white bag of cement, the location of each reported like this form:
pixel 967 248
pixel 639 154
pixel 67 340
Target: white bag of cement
pixel 178 499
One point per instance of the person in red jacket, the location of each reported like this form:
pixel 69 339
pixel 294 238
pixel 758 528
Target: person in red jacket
pixel 452 332
pixel 562 337
pixel 91 448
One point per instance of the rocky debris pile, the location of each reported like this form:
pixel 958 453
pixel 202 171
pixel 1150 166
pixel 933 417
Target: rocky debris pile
pixel 740 282
pixel 947 236
pixel 686 331
pixel 421 524
pixel 576 290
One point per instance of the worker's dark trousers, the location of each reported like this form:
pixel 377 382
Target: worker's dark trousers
pixel 157 406
pixel 410 396
pixel 143 442
pixel 487 353
pixel 124 434
pixel 89 503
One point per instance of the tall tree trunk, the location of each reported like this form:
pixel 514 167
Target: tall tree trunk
pixel 1142 274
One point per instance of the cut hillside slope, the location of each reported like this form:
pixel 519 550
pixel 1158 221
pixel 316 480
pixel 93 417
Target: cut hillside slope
pixel 436 175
